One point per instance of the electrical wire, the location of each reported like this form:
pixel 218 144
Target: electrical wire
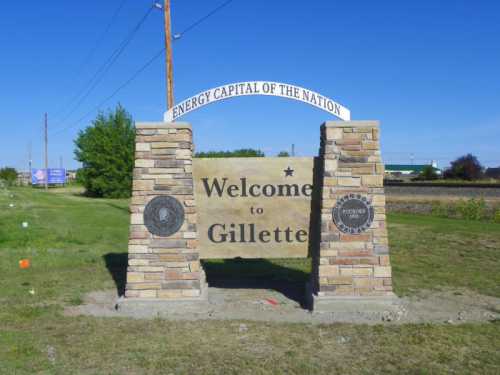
pixel 103 35
pixel 92 51
pixel 142 68
pixel 121 87
pixel 101 72
pixel 204 18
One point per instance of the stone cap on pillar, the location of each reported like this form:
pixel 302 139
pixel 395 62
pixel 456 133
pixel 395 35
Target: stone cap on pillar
pixel 351 124
pixel 161 124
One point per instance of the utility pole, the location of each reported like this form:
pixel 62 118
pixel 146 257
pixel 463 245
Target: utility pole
pixel 46 155
pixel 293 149
pixel 29 163
pixel 168 55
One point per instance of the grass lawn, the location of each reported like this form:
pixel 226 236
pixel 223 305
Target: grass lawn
pixel 73 242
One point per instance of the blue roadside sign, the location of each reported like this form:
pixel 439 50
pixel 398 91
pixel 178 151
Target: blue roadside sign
pixel 56 176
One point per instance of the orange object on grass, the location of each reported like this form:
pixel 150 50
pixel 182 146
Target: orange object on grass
pixel 24 263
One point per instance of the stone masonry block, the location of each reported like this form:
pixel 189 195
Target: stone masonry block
pixel 142 147
pixel 163 267
pixel 144 163
pixel 382 271
pixel 373 180
pixel 352 264
pixel 349 181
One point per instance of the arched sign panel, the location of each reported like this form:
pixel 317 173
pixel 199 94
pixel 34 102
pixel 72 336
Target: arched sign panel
pixel 232 90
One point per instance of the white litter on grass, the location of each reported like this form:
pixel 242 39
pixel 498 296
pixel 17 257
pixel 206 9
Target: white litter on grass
pixel 343 339
pixel 11 205
pixel 51 354
pixel 25 224
pixel 243 328
pixel 32 291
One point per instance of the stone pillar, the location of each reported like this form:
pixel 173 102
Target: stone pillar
pixel 163 260
pixel 353 257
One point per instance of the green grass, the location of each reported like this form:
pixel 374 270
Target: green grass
pixel 431 253
pixel 73 242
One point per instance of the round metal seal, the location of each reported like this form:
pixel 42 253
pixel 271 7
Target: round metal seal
pixel 163 216
pixel 353 214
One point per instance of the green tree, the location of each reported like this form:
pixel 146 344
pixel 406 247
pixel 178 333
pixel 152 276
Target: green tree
pixel 8 176
pixel 428 173
pixel 283 154
pixel 79 176
pixel 241 153
pixel 466 167
pixel 106 151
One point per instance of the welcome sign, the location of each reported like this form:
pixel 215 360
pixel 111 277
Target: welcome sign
pixel 253 207
pixel 186 209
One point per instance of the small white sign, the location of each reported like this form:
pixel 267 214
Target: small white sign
pixel 266 88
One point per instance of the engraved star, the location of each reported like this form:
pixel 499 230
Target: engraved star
pixel 288 172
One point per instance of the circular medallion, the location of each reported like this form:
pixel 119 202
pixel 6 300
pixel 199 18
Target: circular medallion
pixel 163 216
pixel 353 214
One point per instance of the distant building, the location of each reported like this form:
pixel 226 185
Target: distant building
pixel 493 173
pixel 70 175
pixel 23 178
pixel 409 170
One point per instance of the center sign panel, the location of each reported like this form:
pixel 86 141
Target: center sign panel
pixel 253 207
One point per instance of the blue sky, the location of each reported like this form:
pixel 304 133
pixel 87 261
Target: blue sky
pixel 428 70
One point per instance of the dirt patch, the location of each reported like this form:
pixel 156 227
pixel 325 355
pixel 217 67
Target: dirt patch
pixel 445 192
pixel 451 307
pixel 410 207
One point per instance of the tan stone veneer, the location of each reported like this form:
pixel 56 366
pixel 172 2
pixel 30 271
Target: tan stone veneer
pixel 163 268
pixel 351 265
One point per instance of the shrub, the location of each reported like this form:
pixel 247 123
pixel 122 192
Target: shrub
pixel 428 173
pixel 496 218
pixel 283 154
pixel 106 151
pixel 472 209
pixel 441 209
pixel 241 153
pixel 8 176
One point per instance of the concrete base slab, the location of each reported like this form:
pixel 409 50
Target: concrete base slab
pixel 147 307
pixel 143 308
pixel 355 304
pixel 285 305
pixel 386 304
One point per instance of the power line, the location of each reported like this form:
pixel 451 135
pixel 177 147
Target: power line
pixel 97 44
pixel 101 72
pixel 121 87
pixel 145 66
pixel 202 19
pixel 103 35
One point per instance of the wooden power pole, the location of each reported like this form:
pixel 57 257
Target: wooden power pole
pixel 46 155
pixel 29 161
pixel 168 55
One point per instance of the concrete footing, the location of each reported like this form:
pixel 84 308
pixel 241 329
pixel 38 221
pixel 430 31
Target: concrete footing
pixel 352 304
pixel 355 304
pixel 147 307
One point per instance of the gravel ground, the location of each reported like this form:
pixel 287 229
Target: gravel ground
pixel 270 305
